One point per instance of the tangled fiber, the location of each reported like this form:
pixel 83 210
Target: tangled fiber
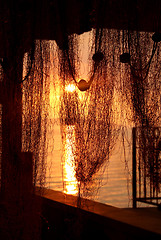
pixel 121 87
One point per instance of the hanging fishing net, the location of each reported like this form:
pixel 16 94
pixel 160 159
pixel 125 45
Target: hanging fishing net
pixel 120 87
pixel 89 114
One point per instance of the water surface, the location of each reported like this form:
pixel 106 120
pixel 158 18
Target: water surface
pixel 115 181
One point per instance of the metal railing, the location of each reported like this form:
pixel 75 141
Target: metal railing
pixel 146 156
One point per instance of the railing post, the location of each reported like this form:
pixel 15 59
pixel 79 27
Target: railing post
pixel 134 166
pixel 1 89
pixel 11 91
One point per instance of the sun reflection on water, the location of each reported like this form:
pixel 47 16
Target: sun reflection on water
pixel 70 184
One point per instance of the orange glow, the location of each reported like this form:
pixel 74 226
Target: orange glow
pixel 70 182
pixel 70 88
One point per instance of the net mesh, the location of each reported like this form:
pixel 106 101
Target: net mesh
pixel 121 86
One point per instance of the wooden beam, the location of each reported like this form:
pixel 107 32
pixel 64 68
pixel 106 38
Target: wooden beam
pixel 134 185
pixel 11 123
pixel 47 18
pixel 1 92
pixel 77 18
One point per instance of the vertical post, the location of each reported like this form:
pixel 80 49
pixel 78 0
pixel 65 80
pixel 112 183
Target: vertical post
pixel 11 123
pixel 0 143
pixel 0 91
pixel 25 174
pixel 0 130
pixel 134 166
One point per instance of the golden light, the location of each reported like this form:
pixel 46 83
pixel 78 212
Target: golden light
pixel 70 88
pixel 70 183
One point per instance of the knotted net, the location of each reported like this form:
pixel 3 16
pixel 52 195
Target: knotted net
pixel 121 86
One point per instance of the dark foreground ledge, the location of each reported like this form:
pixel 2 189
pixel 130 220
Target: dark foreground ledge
pixel 62 219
